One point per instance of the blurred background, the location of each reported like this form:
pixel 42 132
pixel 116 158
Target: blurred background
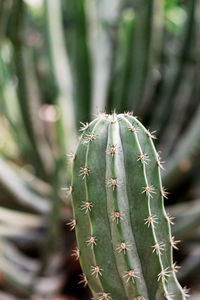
pixel 62 62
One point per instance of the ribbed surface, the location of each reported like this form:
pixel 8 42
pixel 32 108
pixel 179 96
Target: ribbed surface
pixel 122 230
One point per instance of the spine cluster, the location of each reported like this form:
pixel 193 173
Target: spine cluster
pixel 123 232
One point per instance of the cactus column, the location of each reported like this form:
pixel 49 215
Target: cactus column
pixel 123 232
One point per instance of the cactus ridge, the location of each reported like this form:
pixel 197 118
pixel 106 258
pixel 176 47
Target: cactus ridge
pixel 122 230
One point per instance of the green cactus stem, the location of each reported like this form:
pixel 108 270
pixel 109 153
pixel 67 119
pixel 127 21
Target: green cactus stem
pixel 123 232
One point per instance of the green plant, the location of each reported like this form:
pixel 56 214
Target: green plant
pixel 122 229
pixel 61 62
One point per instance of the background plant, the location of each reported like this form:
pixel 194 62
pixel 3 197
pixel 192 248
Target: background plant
pixel 61 62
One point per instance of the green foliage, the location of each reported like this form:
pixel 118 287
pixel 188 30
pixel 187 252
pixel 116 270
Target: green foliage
pixel 121 225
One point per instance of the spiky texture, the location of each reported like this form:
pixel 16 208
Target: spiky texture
pixel 123 232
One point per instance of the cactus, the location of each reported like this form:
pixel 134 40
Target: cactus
pixel 123 232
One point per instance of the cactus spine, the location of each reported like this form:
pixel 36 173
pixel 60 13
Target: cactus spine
pixel 122 229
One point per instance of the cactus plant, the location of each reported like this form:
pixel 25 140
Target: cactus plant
pixel 123 232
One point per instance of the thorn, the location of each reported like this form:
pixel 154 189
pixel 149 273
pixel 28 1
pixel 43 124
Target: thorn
pixel 69 190
pixel 131 275
pixel 128 114
pixel 164 193
pixel 72 224
pixel 158 247
pixel 88 138
pixel 103 296
pixel 91 241
pixel 186 292
pixel 151 134
pixel 113 118
pixel 174 243
pixel 86 206
pixel 144 158
pixel 96 270
pixel 112 150
pixel 85 126
pixel 151 220
pixel 99 114
pixel 149 190
pixel 175 268
pixel 112 183
pixel 170 219
pixel 132 129
pixel 164 274
pixel 104 115
pixel 71 156
pixel 116 216
pixel 83 280
pixel 76 253
pixel 168 296
pixel 84 171
pixel 123 247
pixel 160 162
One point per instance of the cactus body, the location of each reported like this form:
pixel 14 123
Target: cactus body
pixel 122 230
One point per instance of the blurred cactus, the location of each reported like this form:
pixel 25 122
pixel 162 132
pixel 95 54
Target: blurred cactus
pixel 61 62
